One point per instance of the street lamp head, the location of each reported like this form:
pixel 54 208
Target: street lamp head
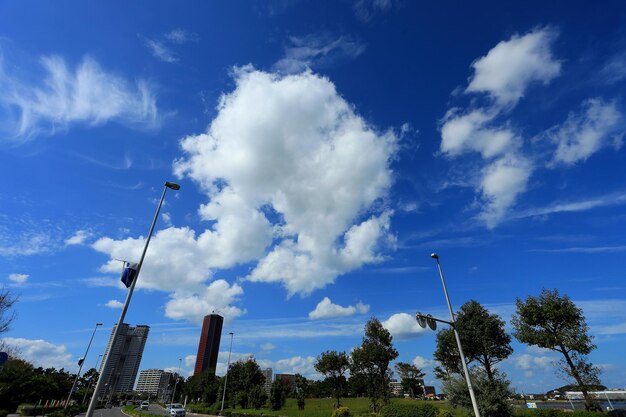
pixel 231 333
pixel 172 185
pixel 434 255
pixel 98 324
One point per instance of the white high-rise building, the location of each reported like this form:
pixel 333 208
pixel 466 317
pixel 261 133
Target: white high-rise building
pixel 154 382
pixel 267 385
pixel 126 356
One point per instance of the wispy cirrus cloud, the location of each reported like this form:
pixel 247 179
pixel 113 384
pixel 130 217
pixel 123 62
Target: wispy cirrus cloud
pixel 366 10
pixel 180 36
pixel 162 46
pixel 612 199
pixel 314 50
pixel 87 94
pixel 160 51
pixel 583 249
pixel 25 245
pixel 596 125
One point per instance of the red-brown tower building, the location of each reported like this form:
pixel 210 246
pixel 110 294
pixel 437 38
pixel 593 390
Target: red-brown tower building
pixel 209 345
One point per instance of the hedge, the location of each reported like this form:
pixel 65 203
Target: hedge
pixel 558 413
pixel 408 410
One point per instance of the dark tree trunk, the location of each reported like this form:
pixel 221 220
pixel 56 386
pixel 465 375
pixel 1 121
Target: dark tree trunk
pixel 590 404
pixel 488 369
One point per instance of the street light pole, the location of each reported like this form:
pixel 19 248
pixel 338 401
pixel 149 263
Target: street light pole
pixel 227 367
pixel 180 360
pixel 458 340
pixel 91 380
pixel 80 367
pixel 107 358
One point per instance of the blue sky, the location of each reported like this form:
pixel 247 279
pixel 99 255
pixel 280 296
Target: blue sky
pixel 324 149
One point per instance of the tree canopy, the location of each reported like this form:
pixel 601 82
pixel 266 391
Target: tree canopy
pixel 410 378
pixel 482 335
pixel 333 365
pixel 371 361
pixel 554 322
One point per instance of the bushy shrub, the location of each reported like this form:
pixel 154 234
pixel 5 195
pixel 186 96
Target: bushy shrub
pixel 342 412
pixel 617 413
pixel 408 410
pixel 3 413
pixel 444 412
pixel 203 408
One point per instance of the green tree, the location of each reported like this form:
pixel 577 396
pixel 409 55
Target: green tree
pixel 278 396
pixel 203 387
pixel 371 360
pixel 257 397
pixel 16 383
pixel 333 365
pixel 357 385
pixel 321 389
pixel 483 338
pixel 491 393
pixel 411 378
pixel 554 322
pixel 243 375
pixel 302 388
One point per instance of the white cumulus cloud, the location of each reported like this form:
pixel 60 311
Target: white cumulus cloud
pixel 527 361
pixel 504 74
pixel 86 95
pixel 42 353
pixel 326 309
pixel 509 67
pixel 114 304
pixel 190 361
pixel 18 279
pixel 78 238
pixel 297 188
pixel 218 296
pixel 294 365
pixel 402 326
pixel 307 161
pixel 503 180
pixel 470 132
pixel 597 125
pixel 423 363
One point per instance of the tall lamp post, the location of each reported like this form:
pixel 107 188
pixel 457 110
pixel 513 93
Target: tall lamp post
pixel 80 367
pixel 91 380
pixel 180 361
pixel 107 358
pixel 458 339
pixel 227 367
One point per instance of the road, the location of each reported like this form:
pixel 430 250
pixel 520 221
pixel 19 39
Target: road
pixel 117 411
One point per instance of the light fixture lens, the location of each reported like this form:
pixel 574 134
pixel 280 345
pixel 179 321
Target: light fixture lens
pixel 172 185
pixel 434 256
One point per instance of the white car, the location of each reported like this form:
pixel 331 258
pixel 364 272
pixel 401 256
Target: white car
pixel 176 410
pixel 144 405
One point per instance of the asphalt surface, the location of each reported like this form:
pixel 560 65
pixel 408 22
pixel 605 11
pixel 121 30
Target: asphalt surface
pixel 117 411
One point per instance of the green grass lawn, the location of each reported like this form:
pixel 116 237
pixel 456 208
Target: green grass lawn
pixel 323 407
